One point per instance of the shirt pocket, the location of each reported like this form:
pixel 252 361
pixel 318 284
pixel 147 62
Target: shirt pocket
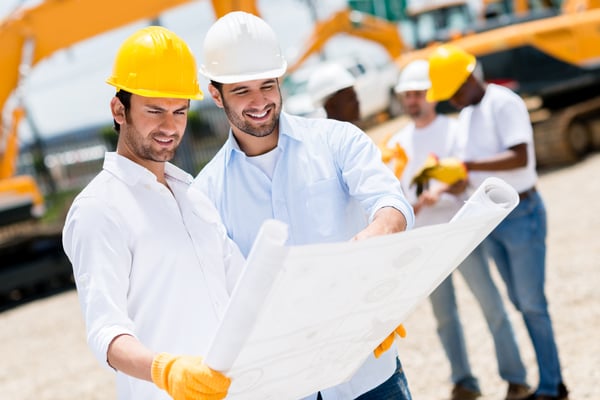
pixel 326 203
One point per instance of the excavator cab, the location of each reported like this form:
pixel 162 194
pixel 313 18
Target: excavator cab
pixel 436 23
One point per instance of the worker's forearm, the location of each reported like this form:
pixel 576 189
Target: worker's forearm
pixel 385 221
pixel 126 354
pixel 389 220
pixel 515 157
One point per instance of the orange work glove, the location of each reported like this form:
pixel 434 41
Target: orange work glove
pixel 395 154
pixel 387 342
pixel 188 378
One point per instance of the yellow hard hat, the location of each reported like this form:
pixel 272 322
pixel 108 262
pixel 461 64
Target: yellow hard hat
pixel 155 62
pixel 449 68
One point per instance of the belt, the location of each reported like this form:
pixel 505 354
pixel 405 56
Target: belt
pixel 527 193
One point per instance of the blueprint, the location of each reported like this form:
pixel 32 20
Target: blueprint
pixel 304 318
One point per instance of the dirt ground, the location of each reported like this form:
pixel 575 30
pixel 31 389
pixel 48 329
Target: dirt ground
pixel 45 357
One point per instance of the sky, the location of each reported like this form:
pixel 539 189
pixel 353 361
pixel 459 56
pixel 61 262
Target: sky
pixel 67 90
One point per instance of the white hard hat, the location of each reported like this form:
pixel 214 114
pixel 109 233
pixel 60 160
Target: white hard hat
pixel 414 76
pixel 326 80
pixel 241 47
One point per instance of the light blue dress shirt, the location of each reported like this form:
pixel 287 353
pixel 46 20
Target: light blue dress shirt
pixel 327 184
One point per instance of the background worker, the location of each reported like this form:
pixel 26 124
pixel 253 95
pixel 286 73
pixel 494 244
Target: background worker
pixel 322 177
pixel 331 86
pixel 429 132
pixel 152 262
pixel 495 138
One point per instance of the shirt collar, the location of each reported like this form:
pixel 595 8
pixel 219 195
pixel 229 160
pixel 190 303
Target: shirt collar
pixel 131 172
pixel 286 123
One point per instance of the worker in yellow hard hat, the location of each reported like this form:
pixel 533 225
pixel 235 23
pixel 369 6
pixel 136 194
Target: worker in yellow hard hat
pixel 495 138
pixel 320 176
pixel 152 264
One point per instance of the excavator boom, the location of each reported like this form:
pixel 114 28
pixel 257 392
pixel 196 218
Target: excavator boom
pixel 354 23
pixel 31 34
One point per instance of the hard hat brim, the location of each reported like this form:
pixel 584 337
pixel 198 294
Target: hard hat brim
pixel 236 78
pixel 199 95
pixel 403 87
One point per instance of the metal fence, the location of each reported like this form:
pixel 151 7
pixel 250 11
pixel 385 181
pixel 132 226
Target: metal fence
pixel 71 160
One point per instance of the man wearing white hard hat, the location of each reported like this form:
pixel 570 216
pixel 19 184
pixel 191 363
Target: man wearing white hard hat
pixel 431 133
pixel 323 178
pixel 331 86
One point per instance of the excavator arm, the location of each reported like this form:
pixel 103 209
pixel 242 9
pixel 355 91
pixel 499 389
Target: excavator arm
pixel 354 23
pixel 32 34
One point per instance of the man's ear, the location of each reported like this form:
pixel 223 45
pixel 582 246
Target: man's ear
pixel 118 110
pixel 216 95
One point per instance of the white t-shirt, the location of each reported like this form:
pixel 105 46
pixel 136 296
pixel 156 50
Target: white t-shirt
pixel 438 138
pixel 499 121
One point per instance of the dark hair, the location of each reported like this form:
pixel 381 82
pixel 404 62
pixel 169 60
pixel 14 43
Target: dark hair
pixel 125 98
pixel 218 85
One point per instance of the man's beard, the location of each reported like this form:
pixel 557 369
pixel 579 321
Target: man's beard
pixel 250 129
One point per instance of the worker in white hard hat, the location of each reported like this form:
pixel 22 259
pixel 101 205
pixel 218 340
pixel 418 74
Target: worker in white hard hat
pixel 428 140
pixel 331 86
pixel 153 266
pixel 322 177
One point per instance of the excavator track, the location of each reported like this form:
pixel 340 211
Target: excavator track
pixel 566 135
pixel 33 262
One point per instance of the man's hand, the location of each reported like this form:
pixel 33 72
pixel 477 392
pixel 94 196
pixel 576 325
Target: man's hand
pixel 388 341
pixel 188 378
pixel 387 220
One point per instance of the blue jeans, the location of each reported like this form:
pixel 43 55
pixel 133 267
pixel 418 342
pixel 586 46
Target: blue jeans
pixel 395 388
pixel 476 272
pixel 518 248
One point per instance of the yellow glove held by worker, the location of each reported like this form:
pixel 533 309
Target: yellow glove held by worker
pixel 388 341
pixel 422 175
pixel 188 378
pixel 449 170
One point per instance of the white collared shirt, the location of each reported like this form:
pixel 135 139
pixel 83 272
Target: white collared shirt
pixel 149 262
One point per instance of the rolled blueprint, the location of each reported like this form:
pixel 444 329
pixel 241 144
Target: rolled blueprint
pixel 304 318
pixel 262 266
pixel 493 195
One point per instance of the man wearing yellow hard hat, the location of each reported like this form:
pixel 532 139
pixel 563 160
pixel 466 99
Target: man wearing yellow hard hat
pixel 496 139
pixel 322 177
pixel 151 287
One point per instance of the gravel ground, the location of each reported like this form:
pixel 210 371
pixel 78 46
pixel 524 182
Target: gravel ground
pixel 45 356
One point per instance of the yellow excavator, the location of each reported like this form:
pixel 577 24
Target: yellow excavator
pixel 547 51
pixel 355 23
pixel 551 57
pixel 30 35
pixel 30 253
